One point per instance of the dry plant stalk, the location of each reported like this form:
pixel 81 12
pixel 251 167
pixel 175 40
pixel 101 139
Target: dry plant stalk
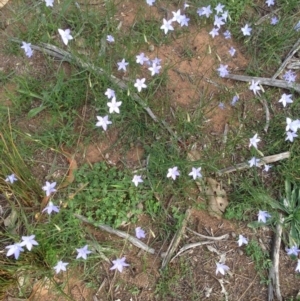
pixel 274 285
pixel 263 160
pixel 266 81
pixel 119 233
pixel 176 239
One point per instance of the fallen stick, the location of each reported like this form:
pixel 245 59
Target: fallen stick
pixel 223 237
pixel 119 233
pixel 266 81
pixel 189 246
pixel 264 103
pixel 295 48
pixel 68 57
pixel 263 160
pixel 175 240
pixel 274 285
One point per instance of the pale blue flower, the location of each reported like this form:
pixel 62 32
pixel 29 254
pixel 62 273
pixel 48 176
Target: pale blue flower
pixel 262 216
pixel 103 122
pixel 65 35
pixel 195 173
pixel 51 207
pixel 61 266
pixel 167 25
pixel 221 268
pixel 119 264
pixel 173 173
pixel 49 188
pixel 14 249
pixel 137 179
pixel 242 240
pixel 140 233
pixel 246 30
pixel 11 178
pixel 83 252
pixel 140 84
pixel 29 242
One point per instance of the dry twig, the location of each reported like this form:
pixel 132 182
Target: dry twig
pixel 266 81
pixel 176 239
pixel 264 103
pixel 274 285
pixel 223 237
pixel 295 48
pixel 119 233
pixel 264 160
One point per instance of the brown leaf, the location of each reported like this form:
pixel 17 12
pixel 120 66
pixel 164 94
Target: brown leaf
pixel 217 198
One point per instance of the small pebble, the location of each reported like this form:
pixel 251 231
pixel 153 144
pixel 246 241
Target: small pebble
pixel 233 235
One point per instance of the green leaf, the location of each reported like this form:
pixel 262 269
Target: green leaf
pixel 33 112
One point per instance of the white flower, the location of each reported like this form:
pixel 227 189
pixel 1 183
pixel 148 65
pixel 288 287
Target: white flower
pixel 140 84
pixel 285 99
pixel 222 268
pixel 176 16
pixel 61 266
pixel 253 162
pixel 49 2
pixel 154 69
pixel 246 30
pixel 27 49
pixel 110 39
pixel 65 35
pixel 242 240
pixel 254 86
pixel 14 249
pixel 29 242
pixel 110 93
pixel 49 188
pixel 293 251
pixel 267 167
pixel 150 2
pixel 118 264
pixel 51 207
pixel 223 70
pixel 214 32
pixel 83 252
pixel 219 8
pixel 137 179
pixel 114 106
pixel 140 233
pixel 167 25
pixel 262 216
pixel 122 65
pixel 173 173
pixel 141 58
pixel 232 51
pixel 254 140
pixel 290 136
pixel 218 21
pixel 195 173
pixel 270 2
pixel 103 121
pixel 11 179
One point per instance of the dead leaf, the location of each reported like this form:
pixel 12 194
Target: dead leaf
pixel 217 198
pixel 72 168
